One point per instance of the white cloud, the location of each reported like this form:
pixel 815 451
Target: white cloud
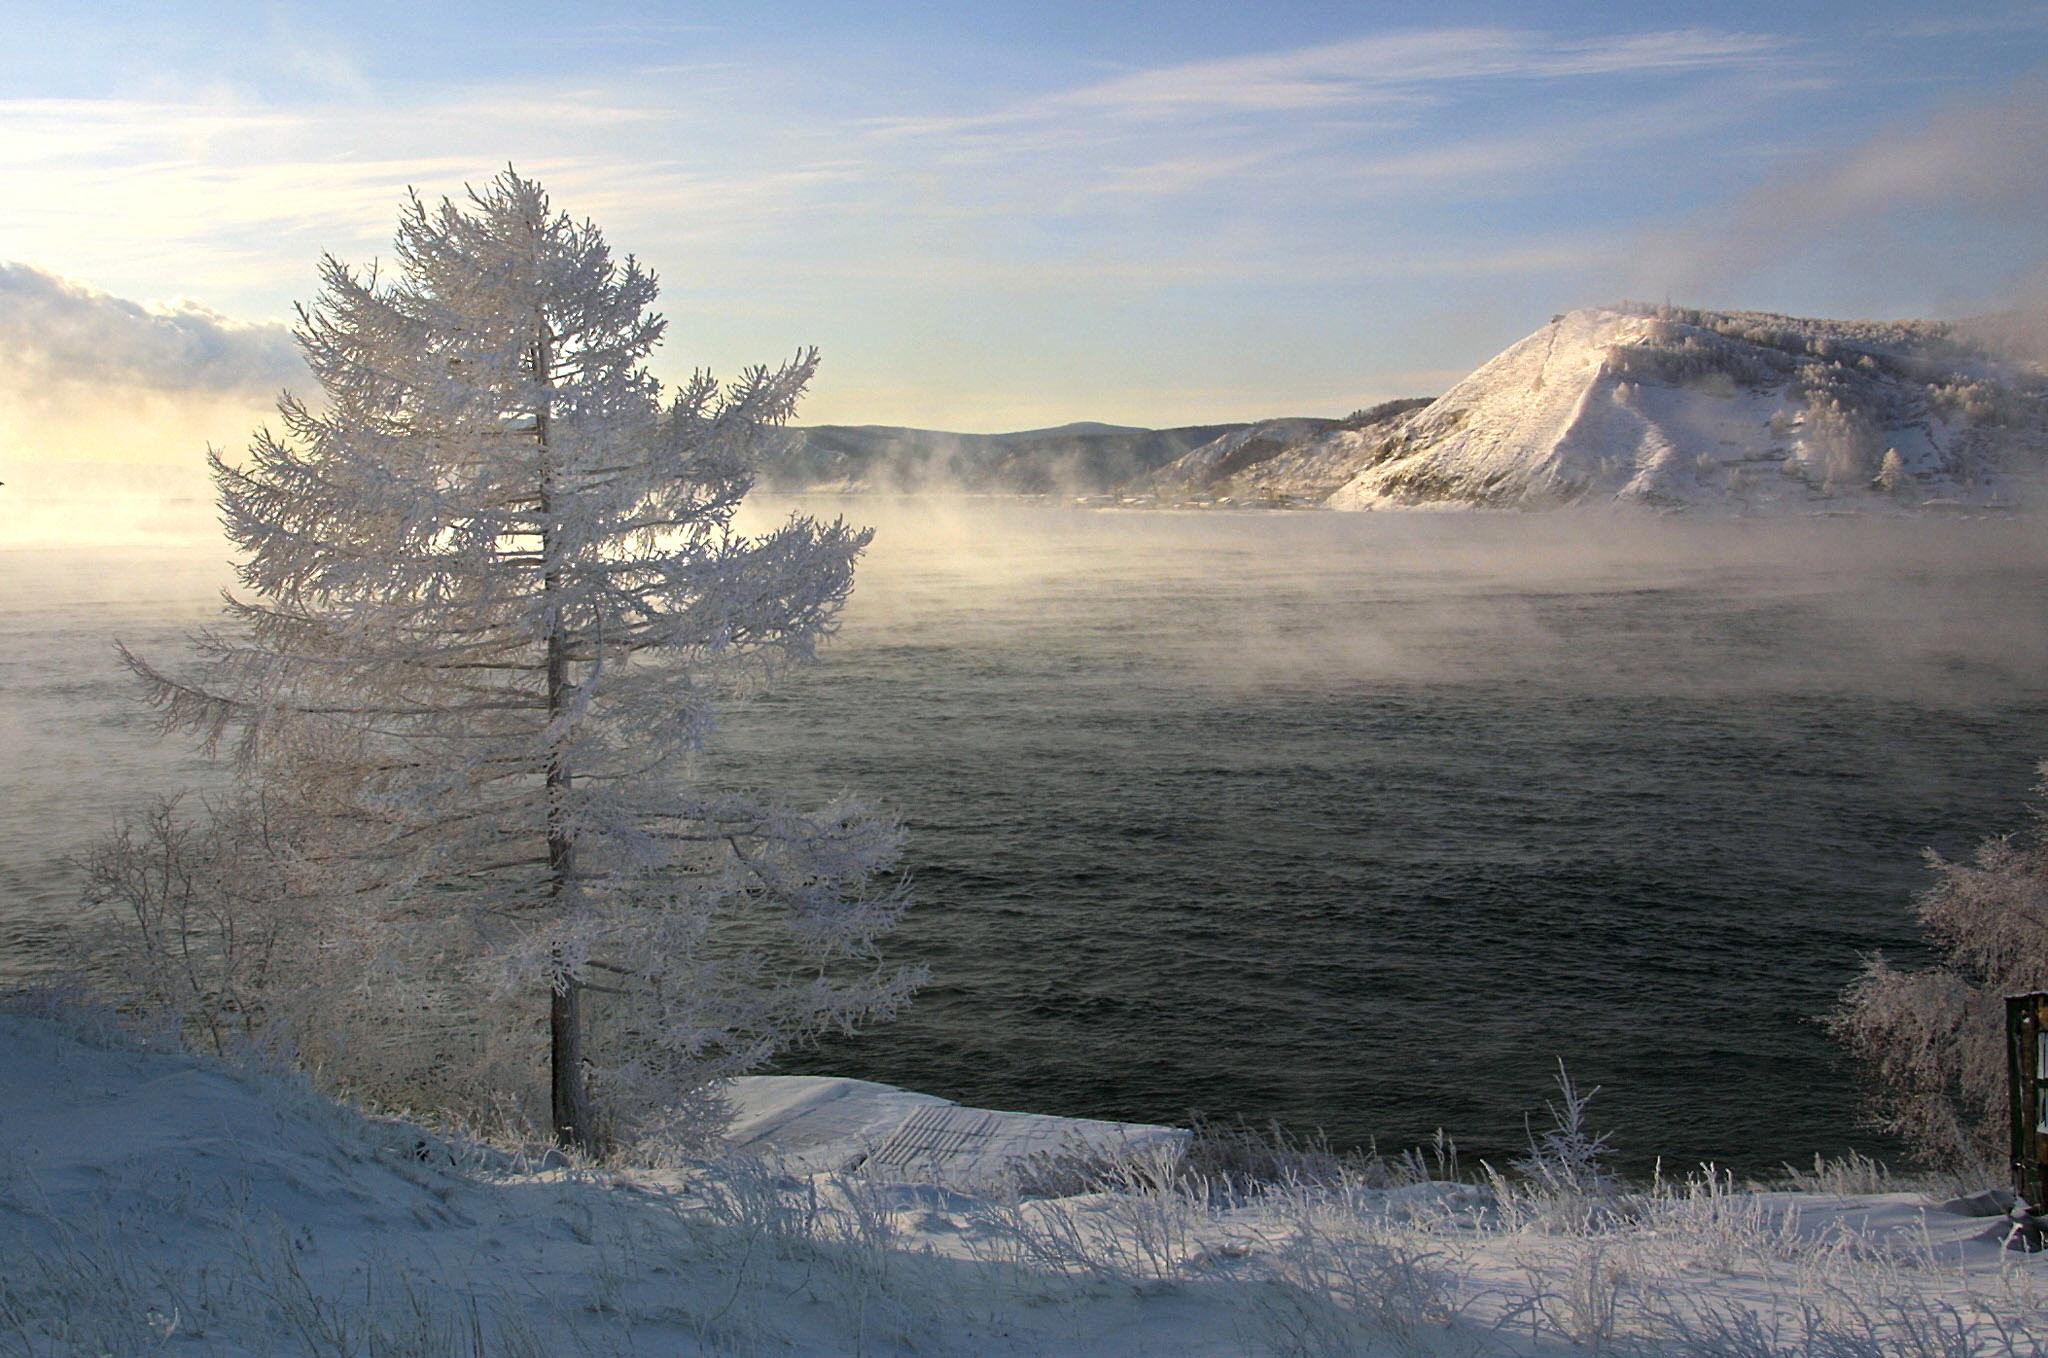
pixel 2017 20
pixel 55 330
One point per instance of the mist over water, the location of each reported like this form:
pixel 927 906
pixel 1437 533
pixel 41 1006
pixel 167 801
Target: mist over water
pixel 80 745
pixel 1357 821
pixel 1361 821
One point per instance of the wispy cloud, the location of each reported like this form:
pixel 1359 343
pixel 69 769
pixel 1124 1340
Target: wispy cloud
pixel 41 133
pixel 1390 68
pixel 1900 200
pixel 1249 259
pixel 1389 120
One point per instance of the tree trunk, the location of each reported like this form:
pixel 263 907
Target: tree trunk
pixel 568 1091
pixel 568 1094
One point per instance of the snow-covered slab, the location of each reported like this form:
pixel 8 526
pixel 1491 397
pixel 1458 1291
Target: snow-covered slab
pixel 819 1124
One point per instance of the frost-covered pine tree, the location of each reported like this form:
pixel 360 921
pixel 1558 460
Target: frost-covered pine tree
pixel 493 588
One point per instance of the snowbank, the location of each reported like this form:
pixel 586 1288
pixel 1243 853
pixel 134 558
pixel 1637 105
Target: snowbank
pixel 153 1203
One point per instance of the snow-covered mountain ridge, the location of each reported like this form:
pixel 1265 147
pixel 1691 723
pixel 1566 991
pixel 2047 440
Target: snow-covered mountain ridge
pixel 1665 406
pixel 1298 459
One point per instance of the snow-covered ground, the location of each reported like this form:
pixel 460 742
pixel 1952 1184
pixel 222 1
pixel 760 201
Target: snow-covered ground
pixel 154 1203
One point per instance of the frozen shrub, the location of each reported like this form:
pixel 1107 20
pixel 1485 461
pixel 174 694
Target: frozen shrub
pixel 200 914
pixel 1249 1159
pixel 1932 1039
pixel 1567 1156
pixel 1841 440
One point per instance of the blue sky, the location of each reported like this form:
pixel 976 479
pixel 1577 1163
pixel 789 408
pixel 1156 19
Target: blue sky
pixel 997 216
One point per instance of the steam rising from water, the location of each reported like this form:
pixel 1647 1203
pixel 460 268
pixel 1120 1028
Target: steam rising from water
pixel 1354 819
pixel 1361 820
pixel 1902 608
pixel 107 408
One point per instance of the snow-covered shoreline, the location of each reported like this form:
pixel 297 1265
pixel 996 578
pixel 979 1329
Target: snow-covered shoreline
pixel 155 1202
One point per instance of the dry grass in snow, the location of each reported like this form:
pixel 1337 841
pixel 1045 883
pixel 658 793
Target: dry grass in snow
pixel 153 1203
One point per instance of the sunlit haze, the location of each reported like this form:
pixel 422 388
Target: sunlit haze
pixel 997 217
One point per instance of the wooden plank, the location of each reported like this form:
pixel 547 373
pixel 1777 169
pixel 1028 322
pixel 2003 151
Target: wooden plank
pixel 2027 1068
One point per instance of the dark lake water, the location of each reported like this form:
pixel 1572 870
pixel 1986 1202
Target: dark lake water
pixel 1355 821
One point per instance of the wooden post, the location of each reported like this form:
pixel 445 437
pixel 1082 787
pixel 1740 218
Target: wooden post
pixel 2027 1062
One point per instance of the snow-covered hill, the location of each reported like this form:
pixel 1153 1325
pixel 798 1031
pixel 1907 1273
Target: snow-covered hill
pixel 1304 459
pixel 1652 405
pixel 1670 407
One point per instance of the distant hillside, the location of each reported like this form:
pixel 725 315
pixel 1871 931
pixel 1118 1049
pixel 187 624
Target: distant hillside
pixel 1298 458
pixel 1072 459
pixel 1667 406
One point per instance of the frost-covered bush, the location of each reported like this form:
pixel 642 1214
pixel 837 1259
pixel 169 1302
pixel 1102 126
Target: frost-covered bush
pixel 1248 1159
pixel 1563 1183
pixel 1932 1039
pixel 1976 402
pixel 215 919
pixel 1568 1156
pixel 204 921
